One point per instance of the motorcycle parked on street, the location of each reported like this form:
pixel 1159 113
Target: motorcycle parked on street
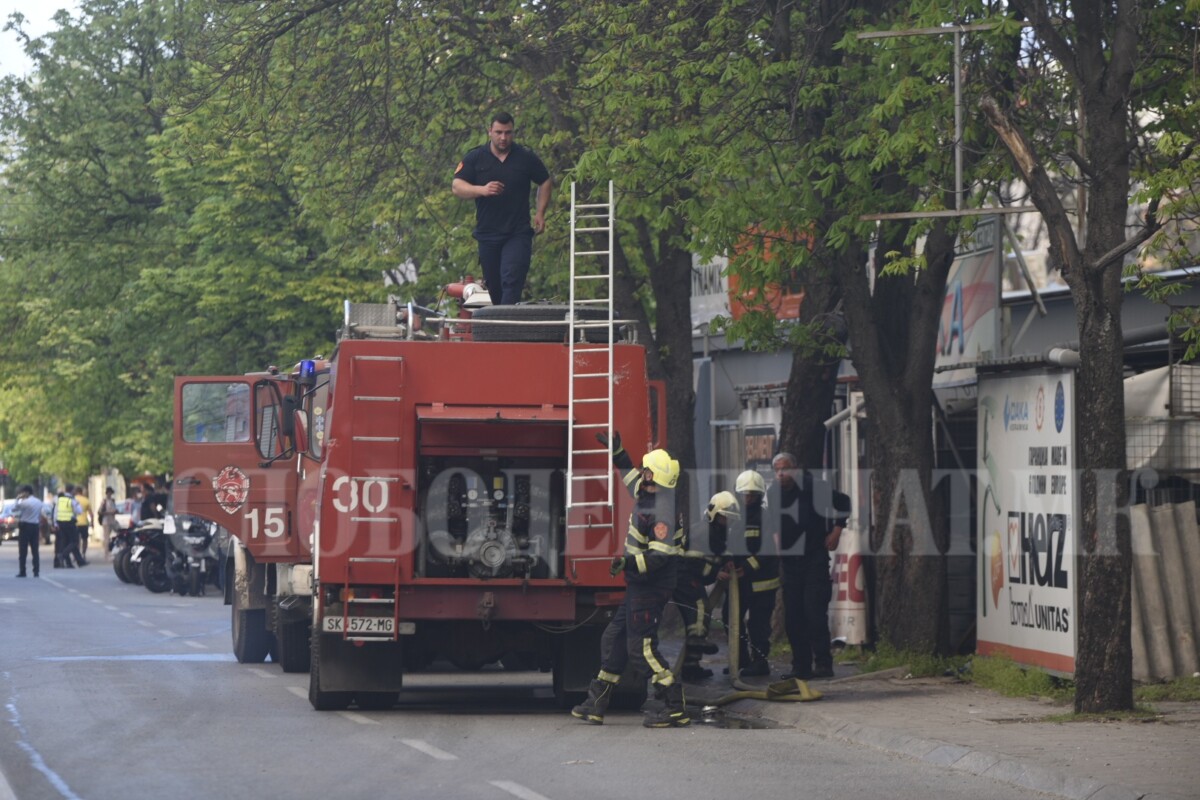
pixel 149 555
pixel 119 546
pixel 193 555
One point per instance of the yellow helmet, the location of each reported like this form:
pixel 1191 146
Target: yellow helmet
pixel 663 468
pixel 723 503
pixel 750 481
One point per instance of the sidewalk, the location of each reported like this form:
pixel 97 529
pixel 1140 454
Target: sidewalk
pixel 957 725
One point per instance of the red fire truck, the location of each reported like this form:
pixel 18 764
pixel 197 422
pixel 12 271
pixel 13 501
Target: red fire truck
pixel 430 491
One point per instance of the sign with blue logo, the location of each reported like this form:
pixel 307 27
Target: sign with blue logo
pixel 1026 519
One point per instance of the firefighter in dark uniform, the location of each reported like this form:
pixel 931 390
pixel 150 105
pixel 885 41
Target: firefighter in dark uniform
pixel 705 544
pixel 757 571
pixel 652 552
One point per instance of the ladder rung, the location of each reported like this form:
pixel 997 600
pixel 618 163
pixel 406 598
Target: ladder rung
pixel 592 324
pixel 591 205
pixel 589 477
pixel 386 638
pixel 596 504
pixel 592 525
pixel 591 425
pixel 605 229
pixel 592 400
pixel 603 302
pixel 591 347
pixel 591 375
pixel 590 253
pixel 588 452
pixel 374 600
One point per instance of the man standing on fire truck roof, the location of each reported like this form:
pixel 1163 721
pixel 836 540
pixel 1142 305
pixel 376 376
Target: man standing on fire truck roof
pixel 498 177
pixel 652 550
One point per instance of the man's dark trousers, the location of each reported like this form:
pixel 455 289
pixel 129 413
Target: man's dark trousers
pixel 27 539
pixel 806 594
pixel 505 262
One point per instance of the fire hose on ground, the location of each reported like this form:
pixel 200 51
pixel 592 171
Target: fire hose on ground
pixel 792 690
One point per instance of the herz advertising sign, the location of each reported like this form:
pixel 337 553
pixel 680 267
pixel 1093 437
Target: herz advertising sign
pixel 1027 512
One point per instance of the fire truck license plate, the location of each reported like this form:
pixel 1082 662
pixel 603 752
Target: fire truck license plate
pixel 384 625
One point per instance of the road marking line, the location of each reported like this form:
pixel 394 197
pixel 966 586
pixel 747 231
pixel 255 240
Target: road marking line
pixel 52 582
pixel 262 673
pixel 96 600
pixel 127 615
pixel 429 750
pixel 299 692
pixel 517 790
pixel 195 644
pixel 354 716
pixel 168 634
pixel 145 623
pixel 147 657
pixel 83 595
pixel 110 608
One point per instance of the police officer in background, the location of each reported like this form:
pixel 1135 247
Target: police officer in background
pixel 652 551
pixel 29 511
pixel 66 537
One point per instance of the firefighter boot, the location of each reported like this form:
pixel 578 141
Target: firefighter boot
pixel 672 714
pixel 592 709
pixel 700 645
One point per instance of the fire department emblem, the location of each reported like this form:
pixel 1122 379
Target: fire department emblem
pixel 232 487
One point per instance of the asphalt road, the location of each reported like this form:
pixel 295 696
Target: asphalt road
pixel 110 691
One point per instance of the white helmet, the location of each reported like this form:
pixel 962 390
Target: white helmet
pixel 750 481
pixel 723 503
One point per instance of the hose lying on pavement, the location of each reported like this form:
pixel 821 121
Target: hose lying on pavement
pixel 793 690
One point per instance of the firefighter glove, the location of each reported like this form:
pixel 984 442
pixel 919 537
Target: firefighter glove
pixel 617 566
pixel 616 441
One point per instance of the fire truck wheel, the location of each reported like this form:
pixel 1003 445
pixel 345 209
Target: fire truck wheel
pixel 553 314
pixel 294 650
pixel 376 701
pixel 323 700
pixel 250 642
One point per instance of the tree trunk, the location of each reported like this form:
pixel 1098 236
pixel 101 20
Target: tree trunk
pixel 893 334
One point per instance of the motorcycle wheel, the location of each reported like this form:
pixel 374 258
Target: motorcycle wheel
pixel 154 573
pixel 131 568
pixel 117 565
pixel 195 584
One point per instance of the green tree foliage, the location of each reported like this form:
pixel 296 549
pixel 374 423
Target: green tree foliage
pixel 78 227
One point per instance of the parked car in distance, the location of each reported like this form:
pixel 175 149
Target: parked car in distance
pixel 8 521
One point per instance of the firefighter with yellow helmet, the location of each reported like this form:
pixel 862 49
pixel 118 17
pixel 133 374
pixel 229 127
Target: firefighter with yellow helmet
pixel 757 571
pixel 705 544
pixel 652 552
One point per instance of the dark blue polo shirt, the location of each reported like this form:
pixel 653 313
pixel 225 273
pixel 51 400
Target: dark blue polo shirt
pixel 508 212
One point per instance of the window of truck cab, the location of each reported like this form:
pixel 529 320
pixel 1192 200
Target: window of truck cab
pixel 216 412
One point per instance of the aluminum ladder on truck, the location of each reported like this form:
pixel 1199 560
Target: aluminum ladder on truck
pixel 590 361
